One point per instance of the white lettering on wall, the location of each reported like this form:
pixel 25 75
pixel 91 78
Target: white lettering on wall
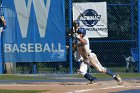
pixel 23 15
pixel 33 47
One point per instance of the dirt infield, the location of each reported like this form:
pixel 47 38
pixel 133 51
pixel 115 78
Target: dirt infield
pixel 77 87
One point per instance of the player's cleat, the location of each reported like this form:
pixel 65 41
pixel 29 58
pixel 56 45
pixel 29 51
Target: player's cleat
pixel 94 80
pixel 118 79
pixel 94 83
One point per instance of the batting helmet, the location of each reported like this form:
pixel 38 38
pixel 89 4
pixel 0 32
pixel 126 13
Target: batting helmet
pixel 82 31
pixel 76 22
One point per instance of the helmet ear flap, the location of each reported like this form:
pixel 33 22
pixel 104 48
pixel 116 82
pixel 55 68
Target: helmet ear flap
pixel 84 31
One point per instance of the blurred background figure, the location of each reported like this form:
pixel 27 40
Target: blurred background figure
pixel 130 63
pixel 2 24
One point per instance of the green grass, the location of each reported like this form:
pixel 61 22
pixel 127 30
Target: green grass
pixel 21 91
pixel 35 77
pixel 16 77
pixel 123 75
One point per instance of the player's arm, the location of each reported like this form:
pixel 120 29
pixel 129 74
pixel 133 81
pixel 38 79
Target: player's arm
pixel 74 47
pixel 83 41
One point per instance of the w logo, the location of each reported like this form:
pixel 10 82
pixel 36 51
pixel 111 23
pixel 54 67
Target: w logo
pixel 23 14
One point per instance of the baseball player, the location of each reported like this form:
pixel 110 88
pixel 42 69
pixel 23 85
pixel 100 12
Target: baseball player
pixel 78 58
pixel 90 58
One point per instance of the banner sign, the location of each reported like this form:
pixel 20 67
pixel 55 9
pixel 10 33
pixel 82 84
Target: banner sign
pixel 92 17
pixel 35 31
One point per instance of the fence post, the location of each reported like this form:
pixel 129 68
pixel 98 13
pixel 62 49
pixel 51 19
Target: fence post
pixel 70 38
pixel 132 20
pixel 34 68
pixel 139 36
pixel 1 64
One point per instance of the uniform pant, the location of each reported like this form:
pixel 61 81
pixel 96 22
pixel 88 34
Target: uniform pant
pixel 96 64
pixel 93 61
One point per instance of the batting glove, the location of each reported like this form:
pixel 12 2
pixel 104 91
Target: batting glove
pixel 77 36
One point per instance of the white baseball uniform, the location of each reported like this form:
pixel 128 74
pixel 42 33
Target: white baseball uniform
pixel 89 58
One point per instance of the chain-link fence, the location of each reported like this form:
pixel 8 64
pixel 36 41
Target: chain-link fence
pixel 111 51
pixel 114 50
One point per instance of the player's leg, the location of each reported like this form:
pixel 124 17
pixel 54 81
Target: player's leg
pixel 127 66
pixel 97 65
pixel 78 58
pixel 79 63
pixel 83 70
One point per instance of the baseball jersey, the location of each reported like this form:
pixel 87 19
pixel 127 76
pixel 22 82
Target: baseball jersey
pixel 84 50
